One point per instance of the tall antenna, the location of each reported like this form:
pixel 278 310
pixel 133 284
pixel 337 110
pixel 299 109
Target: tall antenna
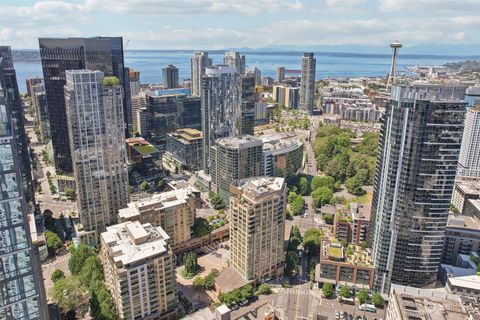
pixel 393 69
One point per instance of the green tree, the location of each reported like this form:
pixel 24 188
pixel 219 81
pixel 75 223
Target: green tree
pixel 363 245
pixel 292 259
pixel 295 238
pixel 328 217
pixel 191 265
pixel 345 292
pixel 78 258
pixel 200 227
pixel 91 274
pixel 159 183
pixel 70 295
pixel 324 181
pixel 131 189
pixel 297 206
pixel 322 196
pixel 354 186
pixel 362 296
pixel 311 241
pixel 377 300
pixel 303 186
pixel 292 195
pixel 70 193
pixel 57 275
pixel 264 289
pixel 199 283
pixel 144 186
pixel 53 241
pixel 327 290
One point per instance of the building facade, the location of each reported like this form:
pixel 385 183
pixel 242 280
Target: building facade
pixel 282 157
pixel 139 268
pixel 234 159
pixel 58 55
pixel 199 63
pixel 221 107
pixel 280 74
pixel 170 76
pixel 39 105
pixel 257 227
pixel 462 236
pixel 173 211
pixel 235 60
pixel 184 146
pixel 464 191
pixel 469 159
pixel 94 106
pixel 307 83
pixel 419 146
pixel 21 286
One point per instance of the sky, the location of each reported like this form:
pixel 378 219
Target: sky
pixel 213 24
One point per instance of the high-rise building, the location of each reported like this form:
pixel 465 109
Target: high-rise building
pixel 235 60
pixel 94 106
pixel 472 96
pixel 257 227
pixel 199 62
pixel 173 211
pixel 8 79
pixel 469 160
pixel 258 76
pixel 39 105
pixel 30 82
pixel 184 147
pixel 234 158
pixel 247 119
pixel 21 286
pixel 139 270
pixel 221 107
pixel 166 113
pixel 170 76
pixel 58 55
pixel 307 83
pixel 280 74
pixel 419 147
pixel 134 77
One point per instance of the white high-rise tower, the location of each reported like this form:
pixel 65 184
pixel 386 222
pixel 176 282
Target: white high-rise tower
pixel 393 68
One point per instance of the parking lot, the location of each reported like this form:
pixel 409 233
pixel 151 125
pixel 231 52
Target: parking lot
pixel 329 306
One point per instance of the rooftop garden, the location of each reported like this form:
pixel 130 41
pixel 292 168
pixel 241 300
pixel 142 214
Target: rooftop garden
pixel 145 149
pixel 110 81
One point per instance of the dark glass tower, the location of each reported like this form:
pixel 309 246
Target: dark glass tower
pixel 21 284
pixel 100 53
pixel 419 147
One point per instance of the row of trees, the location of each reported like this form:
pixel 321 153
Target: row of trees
pixel 84 287
pixel 345 292
pixel 237 295
pixel 337 157
pixel 292 259
pixel 207 283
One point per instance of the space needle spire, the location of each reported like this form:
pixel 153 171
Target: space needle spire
pixel 393 69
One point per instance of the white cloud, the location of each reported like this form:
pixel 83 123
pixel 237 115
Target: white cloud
pixel 428 7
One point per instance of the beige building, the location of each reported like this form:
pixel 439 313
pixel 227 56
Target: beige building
pixel 139 271
pixel 174 211
pixel 257 227
pixel 408 303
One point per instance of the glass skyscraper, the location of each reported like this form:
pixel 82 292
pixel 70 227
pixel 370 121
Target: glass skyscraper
pixel 419 147
pixel 58 55
pixel 21 283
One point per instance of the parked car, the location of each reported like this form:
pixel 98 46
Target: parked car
pixel 337 314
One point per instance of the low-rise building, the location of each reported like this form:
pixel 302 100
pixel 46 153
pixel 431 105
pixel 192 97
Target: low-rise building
pixel 184 147
pixel 143 161
pixel 468 286
pixel 408 303
pixel 464 265
pixel 339 265
pixel 173 211
pixel 462 236
pixel 139 271
pixel 464 191
pixel 352 226
pixel 472 208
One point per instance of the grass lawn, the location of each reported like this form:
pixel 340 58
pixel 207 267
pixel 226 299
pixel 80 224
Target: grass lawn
pixel 364 199
pixel 335 252
pixel 145 149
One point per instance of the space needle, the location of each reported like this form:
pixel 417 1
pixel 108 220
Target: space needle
pixel 393 69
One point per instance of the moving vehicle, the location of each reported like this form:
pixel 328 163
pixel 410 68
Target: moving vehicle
pixel 368 307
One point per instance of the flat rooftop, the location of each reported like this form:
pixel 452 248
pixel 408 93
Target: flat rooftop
pixel 261 185
pixel 160 201
pixel 132 242
pixel 360 211
pixel 425 304
pixel 229 279
pixel 470 282
pixel 188 134
pixel 468 187
pixel 242 142
pixel 463 222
